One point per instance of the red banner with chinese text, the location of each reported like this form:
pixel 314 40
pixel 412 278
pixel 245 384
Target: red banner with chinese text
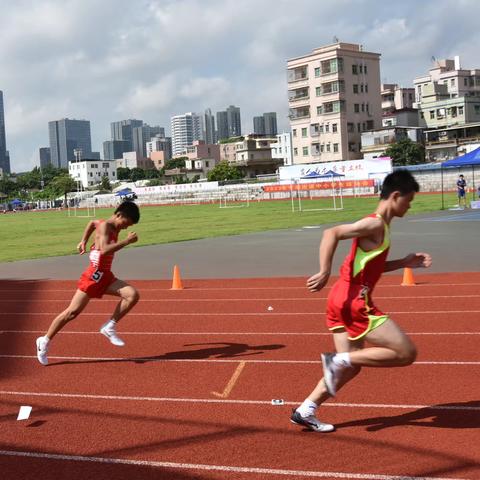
pixel 286 187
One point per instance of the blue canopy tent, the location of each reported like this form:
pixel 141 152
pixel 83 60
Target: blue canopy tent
pixel 16 202
pixel 124 192
pixel 469 159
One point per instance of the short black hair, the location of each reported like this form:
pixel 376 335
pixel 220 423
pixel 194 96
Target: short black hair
pixel 399 181
pixel 129 210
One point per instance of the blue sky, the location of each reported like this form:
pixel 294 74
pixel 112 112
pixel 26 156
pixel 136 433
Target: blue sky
pixel 107 60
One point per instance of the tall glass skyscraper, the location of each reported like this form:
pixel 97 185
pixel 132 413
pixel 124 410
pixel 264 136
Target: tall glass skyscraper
pixel 4 156
pixel 123 130
pixel 66 136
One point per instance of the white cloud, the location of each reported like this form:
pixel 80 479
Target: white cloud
pixel 115 59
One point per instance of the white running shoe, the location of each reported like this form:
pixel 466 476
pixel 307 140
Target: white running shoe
pixel 311 422
pixel 42 350
pixel 108 329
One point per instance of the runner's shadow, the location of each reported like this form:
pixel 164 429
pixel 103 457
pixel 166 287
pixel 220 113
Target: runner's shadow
pixel 450 415
pixel 223 350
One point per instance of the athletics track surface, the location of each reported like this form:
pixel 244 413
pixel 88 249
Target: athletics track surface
pixel 189 396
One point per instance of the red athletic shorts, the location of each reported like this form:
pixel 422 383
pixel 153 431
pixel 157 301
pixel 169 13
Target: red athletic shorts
pixel 349 307
pixel 95 282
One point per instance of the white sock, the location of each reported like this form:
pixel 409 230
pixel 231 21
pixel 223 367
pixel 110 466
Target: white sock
pixel 111 323
pixel 307 408
pixel 47 340
pixel 342 360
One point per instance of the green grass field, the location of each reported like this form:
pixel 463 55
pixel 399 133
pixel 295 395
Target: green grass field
pixel 27 235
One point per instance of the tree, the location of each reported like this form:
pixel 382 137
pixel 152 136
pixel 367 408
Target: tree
pixel 405 152
pixel 137 174
pixel 62 184
pixel 105 183
pixel 123 173
pixel 178 162
pixel 224 171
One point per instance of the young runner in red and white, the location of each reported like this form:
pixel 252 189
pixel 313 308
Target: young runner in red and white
pixel 352 316
pixel 98 278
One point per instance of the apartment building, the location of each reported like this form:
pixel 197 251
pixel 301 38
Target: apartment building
pixel 90 172
pixel 398 106
pixel 448 95
pixel 334 96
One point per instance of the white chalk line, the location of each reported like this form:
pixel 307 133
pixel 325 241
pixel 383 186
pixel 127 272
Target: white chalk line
pixel 86 396
pixel 293 334
pixel 206 360
pixel 238 288
pixel 243 314
pixel 220 468
pixel 267 299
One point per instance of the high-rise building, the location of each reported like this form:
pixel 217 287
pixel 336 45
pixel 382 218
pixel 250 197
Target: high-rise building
pixel 266 124
pixel 142 135
pixel 222 125
pixel 123 130
pixel 209 123
pixel 45 157
pixel 259 125
pixel 4 155
pixel 185 129
pixel 114 149
pixel 333 95
pixel 270 120
pixel 234 121
pixel 229 123
pixel 69 141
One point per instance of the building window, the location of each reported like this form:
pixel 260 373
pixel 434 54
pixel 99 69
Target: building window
pixel 477 109
pixel 327 127
pixel 318 91
pixel 432 114
pixel 369 124
pixel 328 147
pixel 317 71
pixel 361 68
pixel 356 107
pixel 335 147
pixel 355 88
pixel 334 127
pixel 366 86
pixel 304 132
pixel 295 151
pixel 305 151
pixel 452 82
pixel 350 127
pixel 359 127
pixel 294 132
pixel 319 110
pixel 460 110
pixel 354 70
pixel 365 69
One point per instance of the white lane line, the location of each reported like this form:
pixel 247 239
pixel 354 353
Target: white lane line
pixel 235 287
pixel 216 314
pixel 266 299
pixel 293 334
pixel 86 396
pixel 207 360
pixel 219 468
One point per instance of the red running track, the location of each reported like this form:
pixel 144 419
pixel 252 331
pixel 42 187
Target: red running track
pixel 166 405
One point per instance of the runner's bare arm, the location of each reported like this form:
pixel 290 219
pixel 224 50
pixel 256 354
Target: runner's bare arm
pixel 89 229
pixel 108 248
pixel 412 260
pixel 366 227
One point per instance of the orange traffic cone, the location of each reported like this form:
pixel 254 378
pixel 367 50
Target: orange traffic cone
pixel 408 280
pixel 177 281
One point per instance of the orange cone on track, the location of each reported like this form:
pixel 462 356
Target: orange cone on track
pixel 408 280
pixel 177 281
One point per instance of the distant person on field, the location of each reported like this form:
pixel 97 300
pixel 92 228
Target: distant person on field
pixel 98 278
pixel 461 191
pixel 352 316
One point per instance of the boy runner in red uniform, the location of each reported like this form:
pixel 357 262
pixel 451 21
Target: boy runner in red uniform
pixel 98 278
pixel 352 316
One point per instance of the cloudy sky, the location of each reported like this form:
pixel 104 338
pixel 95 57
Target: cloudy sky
pixel 108 60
